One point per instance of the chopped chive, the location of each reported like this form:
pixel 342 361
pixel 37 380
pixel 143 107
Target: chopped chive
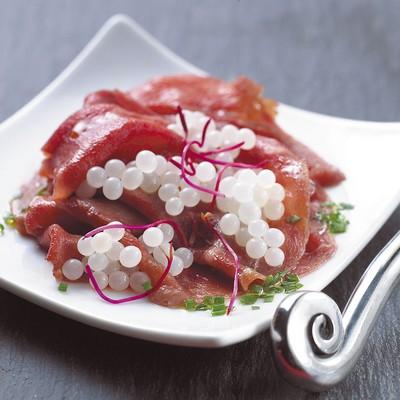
pixel 202 307
pixel 256 289
pixel 10 220
pixel 255 307
pixel 190 305
pixel 346 206
pixel 147 285
pixel 248 298
pixel 330 214
pixel 268 298
pixel 1 229
pixel 62 287
pixel 219 300
pixel 218 307
pixel 218 313
pixel 293 219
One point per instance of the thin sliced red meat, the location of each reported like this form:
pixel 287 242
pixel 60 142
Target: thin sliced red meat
pixel 239 102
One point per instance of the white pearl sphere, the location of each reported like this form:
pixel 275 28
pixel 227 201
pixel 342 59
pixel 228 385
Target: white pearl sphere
pixel 101 278
pixel 205 171
pixel 153 237
pixel 248 137
pixel 229 224
pixel 161 165
pixel 132 178
pixel 274 257
pixel 148 248
pixel 161 256
pixel 276 192
pixel 224 157
pixel 257 228
pixel 168 232
pixel 167 191
pixel 242 192
pixel 116 233
pixel 214 139
pixel 137 281
pixel 230 133
pixel 190 197
pixel 114 168
pixel 151 183
pixel 273 210
pixel 130 256
pixel 247 175
pixel 206 197
pixel 85 246
pixel 226 186
pixel 115 251
pixel 260 196
pixel 118 280
pixel 242 236
pixel 98 262
pixel 101 242
pixel 176 266
pixel 146 161
pixel 274 237
pixel 256 248
pixel 112 266
pixel 170 177
pixel 112 188
pixel 72 269
pixel 249 212
pixel 174 206
pixel 186 255
pixel 95 177
pixel 85 191
pixel 266 178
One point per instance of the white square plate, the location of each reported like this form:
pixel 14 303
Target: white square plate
pixel 122 55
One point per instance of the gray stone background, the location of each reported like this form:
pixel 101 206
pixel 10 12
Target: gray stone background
pixel 335 57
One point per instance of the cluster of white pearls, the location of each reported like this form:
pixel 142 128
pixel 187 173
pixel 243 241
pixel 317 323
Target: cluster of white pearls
pixel 115 265
pixel 250 196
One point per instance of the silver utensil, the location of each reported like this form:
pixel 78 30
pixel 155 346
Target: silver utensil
pixel 315 346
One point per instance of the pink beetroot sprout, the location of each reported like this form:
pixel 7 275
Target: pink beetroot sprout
pixel 101 293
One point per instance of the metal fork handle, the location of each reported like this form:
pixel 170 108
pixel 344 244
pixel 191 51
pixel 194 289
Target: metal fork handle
pixel 315 346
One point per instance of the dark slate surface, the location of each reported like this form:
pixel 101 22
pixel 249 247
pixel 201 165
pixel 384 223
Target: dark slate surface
pixel 338 58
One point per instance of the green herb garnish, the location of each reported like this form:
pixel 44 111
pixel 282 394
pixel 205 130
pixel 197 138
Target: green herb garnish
pixel 10 220
pixel 331 214
pixel 1 229
pixel 62 287
pixel 281 282
pixel 147 285
pixel 215 304
pixel 293 219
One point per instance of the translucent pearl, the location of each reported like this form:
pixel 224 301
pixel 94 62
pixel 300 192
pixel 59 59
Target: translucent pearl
pixel 72 269
pixel 85 191
pixel 151 183
pixel 273 210
pixel 230 133
pixel 176 266
pixel 115 168
pixel 185 255
pixel 257 228
pixel 274 237
pixel 205 171
pixel 205 197
pixel 226 186
pixel 260 196
pixel 276 192
pixel 112 266
pixel 137 281
pixel 223 204
pixel 167 191
pixel 85 246
pixel 146 161
pixel 274 257
pixel 160 256
pixel 170 177
pixel 112 188
pixel 101 278
pixel 224 157
pixel 242 236
pixel 229 224
pixel 132 178
pixel 115 251
pixel 249 212
pixel 148 248
pixel 172 167
pixel 130 256
pixel 265 178
pixel 161 165
pixel 242 192
pixel 174 206
pixel 153 236
pixel 116 233
pixel 101 242
pixel 190 197
pixel 98 261
pixel 214 139
pixel 256 248
pixel 168 232
pixel 95 177
pixel 248 137
pixel 247 176
pixel 118 280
